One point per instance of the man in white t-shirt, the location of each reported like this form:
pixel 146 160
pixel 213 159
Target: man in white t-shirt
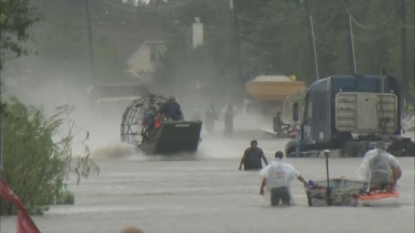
pixel 277 177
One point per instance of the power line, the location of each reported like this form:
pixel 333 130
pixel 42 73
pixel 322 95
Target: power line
pixel 119 6
pixel 280 39
pixel 332 15
pixel 280 21
pixel 250 37
pixel 329 20
pixel 278 51
pixel 267 22
pixel 391 28
pixel 271 41
pixel 377 37
pixel 328 40
pixel 377 23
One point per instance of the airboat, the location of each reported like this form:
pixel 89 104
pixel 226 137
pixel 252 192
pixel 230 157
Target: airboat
pixel 172 137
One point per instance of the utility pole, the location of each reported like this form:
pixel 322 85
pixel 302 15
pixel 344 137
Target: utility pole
pixel 350 40
pixel 239 87
pixel 404 80
pixel 234 9
pixel 1 136
pixel 312 39
pixel 1 127
pixel 314 49
pixel 91 43
pixel 351 44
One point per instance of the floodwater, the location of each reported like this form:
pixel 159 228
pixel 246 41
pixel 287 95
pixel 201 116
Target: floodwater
pixel 209 194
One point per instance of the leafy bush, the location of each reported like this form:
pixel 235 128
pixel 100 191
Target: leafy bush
pixel 38 156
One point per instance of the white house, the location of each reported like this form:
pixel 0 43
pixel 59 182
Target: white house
pixel 144 58
pixel 136 43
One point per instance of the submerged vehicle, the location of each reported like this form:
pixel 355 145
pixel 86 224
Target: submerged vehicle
pixel 351 113
pixel 170 137
pixel 345 192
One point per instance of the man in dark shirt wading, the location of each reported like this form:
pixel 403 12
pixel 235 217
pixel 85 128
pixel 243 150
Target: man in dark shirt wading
pixel 252 157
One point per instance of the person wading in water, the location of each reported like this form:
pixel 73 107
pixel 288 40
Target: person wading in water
pixel 277 177
pixel 252 157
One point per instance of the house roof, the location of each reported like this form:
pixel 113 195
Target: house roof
pixel 128 35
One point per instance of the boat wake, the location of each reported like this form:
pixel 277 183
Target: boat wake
pixel 113 150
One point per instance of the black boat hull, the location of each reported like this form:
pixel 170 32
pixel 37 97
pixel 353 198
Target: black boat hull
pixel 174 138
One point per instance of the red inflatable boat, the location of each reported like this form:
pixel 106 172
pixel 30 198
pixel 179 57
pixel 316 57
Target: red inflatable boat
pixel 377 198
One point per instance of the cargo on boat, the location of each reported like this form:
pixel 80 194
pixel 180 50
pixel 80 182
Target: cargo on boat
pixel 344 192
pixel 341 192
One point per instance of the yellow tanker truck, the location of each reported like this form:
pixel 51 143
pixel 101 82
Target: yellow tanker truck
pixel 268 93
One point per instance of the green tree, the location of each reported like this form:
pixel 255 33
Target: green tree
pixel 63 45
pixel 38 156
pixel 274 37
pixel 207 65
pixel 278 39
pixel 37 151
pixel 16 17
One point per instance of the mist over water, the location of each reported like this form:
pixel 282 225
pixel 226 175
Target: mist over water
pixel 104 139
pixel 104 135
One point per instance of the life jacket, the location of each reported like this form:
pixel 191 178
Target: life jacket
pixel 157 121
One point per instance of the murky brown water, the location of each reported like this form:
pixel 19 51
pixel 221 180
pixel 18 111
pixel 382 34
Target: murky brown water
pixel 209 194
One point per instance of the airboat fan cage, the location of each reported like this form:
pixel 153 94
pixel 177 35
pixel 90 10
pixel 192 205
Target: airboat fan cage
pixel 132 118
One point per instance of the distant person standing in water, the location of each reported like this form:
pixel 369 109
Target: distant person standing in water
pixel 210 117
pixel 252 157
pixel 229 114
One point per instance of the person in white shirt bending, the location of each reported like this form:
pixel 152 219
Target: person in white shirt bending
pixel 277 177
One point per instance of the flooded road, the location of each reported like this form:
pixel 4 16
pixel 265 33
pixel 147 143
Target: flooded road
pixel 209 194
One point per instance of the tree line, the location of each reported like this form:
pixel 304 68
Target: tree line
pixel 273 37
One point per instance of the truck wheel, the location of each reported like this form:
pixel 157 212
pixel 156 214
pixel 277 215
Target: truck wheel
pixel 350 149
pixel 293 154
pixel 362 148
pixel 410 150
